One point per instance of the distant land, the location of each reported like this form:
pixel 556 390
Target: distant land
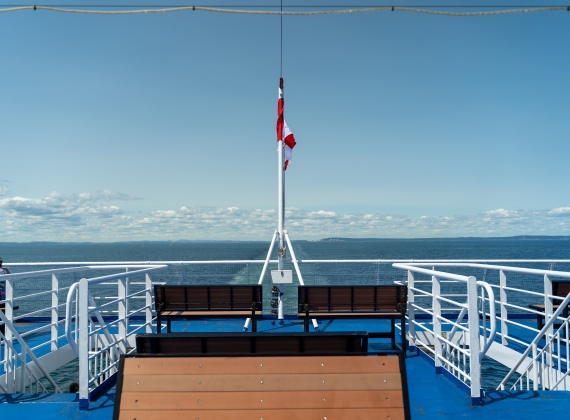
pixel 465 238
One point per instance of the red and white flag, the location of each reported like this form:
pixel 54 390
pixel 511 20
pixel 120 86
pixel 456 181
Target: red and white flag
pixel 283 132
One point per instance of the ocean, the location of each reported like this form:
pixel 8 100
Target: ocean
pixel 501 248
pixel 470 248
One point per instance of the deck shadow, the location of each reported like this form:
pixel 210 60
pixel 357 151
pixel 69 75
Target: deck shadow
pixel 492 397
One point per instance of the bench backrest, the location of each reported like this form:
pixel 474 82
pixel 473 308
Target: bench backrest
pixel 195 344
pixel 208 298
pixel 256 387
pixel 353 298
pixel 560 288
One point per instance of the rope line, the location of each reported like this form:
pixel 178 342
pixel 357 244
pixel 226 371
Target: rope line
pixel 282 13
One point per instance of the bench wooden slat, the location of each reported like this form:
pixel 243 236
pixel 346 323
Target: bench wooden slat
pixel 205 314
pixel 316 414
pixel 269 364
pixel 268 382
pixel 261 400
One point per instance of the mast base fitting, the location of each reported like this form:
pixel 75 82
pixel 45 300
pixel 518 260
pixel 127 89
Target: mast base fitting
pixel 282 252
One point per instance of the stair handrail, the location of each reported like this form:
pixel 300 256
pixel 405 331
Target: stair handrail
pixel 534 342
pixel 492 317
pixel 26 349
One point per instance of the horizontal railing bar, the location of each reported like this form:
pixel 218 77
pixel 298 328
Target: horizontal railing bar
pixel 97 264
pixel 439 274
pixel 508 269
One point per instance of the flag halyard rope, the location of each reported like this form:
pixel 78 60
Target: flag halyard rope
pixel 285 13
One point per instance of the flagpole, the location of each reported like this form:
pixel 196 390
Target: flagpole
pixel 281 215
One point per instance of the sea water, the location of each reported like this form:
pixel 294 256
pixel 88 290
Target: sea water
pixel 482 249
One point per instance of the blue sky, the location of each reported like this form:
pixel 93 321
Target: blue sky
pixel 163 126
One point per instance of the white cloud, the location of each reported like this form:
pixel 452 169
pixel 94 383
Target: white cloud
pixel 87 217
pixel 4 190
pixel 560 211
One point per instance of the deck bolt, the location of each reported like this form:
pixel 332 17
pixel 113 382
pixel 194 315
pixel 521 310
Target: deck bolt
pixel 322 364
pixel 136 401
pixel 385 380
pixel 138 383
pixel 324 399
pixel 323 382
pixel 139 365
pixel 200 382
pixel 261 365
pixel 199 365
pixel 325 418
pixel 261 400
pixel 261 381
pixel 386 399
pixel 199 401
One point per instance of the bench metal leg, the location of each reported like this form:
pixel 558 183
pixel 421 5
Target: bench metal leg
pixel 254 323
pixel 306 323
pixel 158 326
pixel 168 324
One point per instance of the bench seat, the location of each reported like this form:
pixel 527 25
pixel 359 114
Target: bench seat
pixel 355 302
pixel 228 301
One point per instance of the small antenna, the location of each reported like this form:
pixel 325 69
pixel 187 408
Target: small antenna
pixel 281 61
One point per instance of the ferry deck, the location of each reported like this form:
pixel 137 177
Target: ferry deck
pixel 436 390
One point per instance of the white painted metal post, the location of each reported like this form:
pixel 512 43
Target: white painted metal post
pixel 83 344
pixel 411 311
pixel 54 312
pixel 436 305
pixel 474 339
pixel 122 314
pixel 148 302
pixel 548 310
pixel 9 355
pixel 504 309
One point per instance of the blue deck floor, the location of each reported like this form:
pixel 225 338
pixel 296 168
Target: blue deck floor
pixel 431 396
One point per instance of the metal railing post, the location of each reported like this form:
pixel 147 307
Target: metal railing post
pixel 148 301
pixel 411 312
pixel 9 354
pixel 54 311
pixel 548 305
pixel 83 344
pixel 122 313
pixel 474 339
pixel 504 309
pixel 436 305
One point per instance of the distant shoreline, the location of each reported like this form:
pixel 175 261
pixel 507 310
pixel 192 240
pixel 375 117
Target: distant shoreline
pixel 333 239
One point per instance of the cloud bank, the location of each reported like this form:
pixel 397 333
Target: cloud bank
pixel 98 217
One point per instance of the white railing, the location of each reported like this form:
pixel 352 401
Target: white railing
pixel 125 297
pixel 460 356
pixel 20 375
pixel 548 366
pixel 99 342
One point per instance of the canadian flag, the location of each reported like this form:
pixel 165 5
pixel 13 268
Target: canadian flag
pixel 283 131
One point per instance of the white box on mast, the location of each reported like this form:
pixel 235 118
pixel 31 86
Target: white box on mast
pixel 282 276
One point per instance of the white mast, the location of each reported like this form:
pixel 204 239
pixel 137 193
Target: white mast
pixel 281 193
pixel 281 232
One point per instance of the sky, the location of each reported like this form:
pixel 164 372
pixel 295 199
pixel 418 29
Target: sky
pixel 162 126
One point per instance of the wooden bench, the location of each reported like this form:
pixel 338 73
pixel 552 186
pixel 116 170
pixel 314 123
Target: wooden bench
pixel 355 302
pixel 207 302
pixel 559 288
pixel 291 386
